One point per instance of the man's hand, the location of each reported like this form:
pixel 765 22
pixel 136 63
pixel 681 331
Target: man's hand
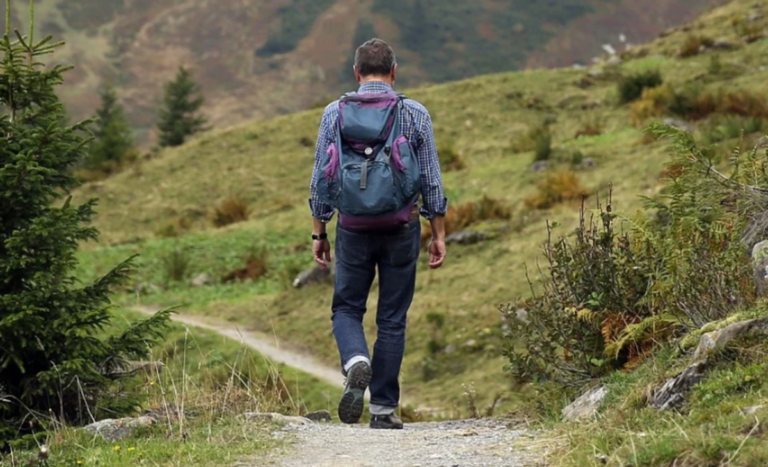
pixel 322 252
pixel 437 254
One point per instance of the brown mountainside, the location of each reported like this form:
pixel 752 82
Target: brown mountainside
pixel 260 58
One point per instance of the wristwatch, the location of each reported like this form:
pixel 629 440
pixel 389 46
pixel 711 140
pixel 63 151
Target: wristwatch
pixel 322 236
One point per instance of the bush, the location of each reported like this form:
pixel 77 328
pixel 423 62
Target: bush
pixel 537 139
pixel 654 102
pixel 231 211
pixel 450 159
pixel 693 46
pixel 557 188
pixel 590 126
pixel 176 266
pixel 607 298
pixel 256 266
pixel 631 87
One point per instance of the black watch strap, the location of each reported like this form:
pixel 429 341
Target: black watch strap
pixel 322 236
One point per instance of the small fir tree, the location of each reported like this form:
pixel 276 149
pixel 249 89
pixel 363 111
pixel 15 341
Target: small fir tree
pixel 55 361
pixel 113 137
pixel 179 115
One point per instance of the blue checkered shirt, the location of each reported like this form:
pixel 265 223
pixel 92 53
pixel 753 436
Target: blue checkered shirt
pixel 416 125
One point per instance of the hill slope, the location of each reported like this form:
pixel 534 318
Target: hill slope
pixel 268 164
pixel 260 58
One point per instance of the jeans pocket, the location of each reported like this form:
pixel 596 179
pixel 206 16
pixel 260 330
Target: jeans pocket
pixel 403 249
pixel 351 248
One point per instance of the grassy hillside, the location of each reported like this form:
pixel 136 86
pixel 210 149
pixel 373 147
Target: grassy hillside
pixel 455 330
pixel 261 58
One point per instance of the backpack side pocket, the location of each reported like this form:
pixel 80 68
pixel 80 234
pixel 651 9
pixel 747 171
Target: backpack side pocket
pixel 406 167
pixel 328 183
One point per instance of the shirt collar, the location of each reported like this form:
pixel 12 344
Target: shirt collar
pixel 375 87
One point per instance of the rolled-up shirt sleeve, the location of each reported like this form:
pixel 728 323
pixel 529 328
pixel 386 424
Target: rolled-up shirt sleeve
pixel 434 202
pixel 320 211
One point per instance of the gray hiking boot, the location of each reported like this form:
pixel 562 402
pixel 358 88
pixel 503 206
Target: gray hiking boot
pixel 353 400
pixel 386 422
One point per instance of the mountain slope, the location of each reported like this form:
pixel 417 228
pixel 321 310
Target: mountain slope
pixel 268 163
pixel 260 58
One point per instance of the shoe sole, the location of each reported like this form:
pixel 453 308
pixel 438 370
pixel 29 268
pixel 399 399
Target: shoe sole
pixel 353 402
pixel 385 426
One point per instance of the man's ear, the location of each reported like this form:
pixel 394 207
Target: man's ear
pixel 358 78
pixel 394 72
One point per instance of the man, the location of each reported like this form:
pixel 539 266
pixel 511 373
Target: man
pixel 394 250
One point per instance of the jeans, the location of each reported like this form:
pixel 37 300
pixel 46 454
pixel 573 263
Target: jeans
pixel 396 254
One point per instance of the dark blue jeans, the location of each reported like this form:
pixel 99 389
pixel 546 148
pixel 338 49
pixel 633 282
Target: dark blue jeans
pixel 358 254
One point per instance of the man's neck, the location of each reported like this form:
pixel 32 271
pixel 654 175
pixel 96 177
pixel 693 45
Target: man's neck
pixel 376 79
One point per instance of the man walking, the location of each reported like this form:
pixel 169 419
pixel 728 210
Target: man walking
pixel 376 155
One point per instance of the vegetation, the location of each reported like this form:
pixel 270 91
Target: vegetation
pixel 557 187
pixel 631 87
pixel 54 368
pixel 230 211
pixel 113 139
pixel 296 20
pixel 179 114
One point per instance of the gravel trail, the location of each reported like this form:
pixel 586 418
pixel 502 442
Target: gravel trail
pixel 467 443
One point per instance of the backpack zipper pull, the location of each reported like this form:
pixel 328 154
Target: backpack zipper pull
pixel 364 175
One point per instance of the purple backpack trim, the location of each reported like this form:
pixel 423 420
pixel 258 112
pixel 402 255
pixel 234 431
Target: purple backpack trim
pixel 332 170
pixel 397 159
pixel 378 222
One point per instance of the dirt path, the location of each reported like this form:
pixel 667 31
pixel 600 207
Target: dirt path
pixel 468 443
pixel 269 346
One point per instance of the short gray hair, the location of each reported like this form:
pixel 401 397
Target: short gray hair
pixel 375 58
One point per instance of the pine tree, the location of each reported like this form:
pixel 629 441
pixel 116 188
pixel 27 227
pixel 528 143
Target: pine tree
pixel 53 361
pixel 179 117
pixel 113 138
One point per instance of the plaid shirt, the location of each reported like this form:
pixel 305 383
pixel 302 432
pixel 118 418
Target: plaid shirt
pixel 416 125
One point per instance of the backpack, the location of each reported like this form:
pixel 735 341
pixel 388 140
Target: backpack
pixel 370 174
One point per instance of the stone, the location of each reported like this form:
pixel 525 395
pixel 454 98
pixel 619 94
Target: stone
pixel 753 410
pixel 754 17
pixel 278 419
pixel 147 289
pixel 202 280
pixel 587 405
pixel 587 163
pixel 539 166
pixel 760 267
pixel 762 142
pixel 319 416
pixel 679 124
pixel 716 340
pixel 672 394
pixel 131 368
pixel 465 237
pixel 451 348
pixel 522 315
pixel 723 44
pixel 116 430
pixel 315 275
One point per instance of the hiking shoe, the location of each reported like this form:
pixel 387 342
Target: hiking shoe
pixel 386 422
pixel 353 400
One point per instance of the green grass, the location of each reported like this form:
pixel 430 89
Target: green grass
pixel 270 168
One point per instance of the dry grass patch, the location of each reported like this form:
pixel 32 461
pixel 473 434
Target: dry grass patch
pixel 231 211
pixel 557 188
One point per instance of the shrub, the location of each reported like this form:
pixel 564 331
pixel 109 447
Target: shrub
pixel 732 127
pixel 654 102
pixel 537 139
pixel 231 211
pixel 58 363
pixel 256 266
pixel 450 159
pixel 557 188
pixel 608 298
pixel 176 266
pixel 590 126
pixel 631 87
pixel 694 45
pixel 744 103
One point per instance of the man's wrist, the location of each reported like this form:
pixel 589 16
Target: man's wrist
pixel 320 236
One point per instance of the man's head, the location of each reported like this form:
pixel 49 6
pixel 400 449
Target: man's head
pixel 375 60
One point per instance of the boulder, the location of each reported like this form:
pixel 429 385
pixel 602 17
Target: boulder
pixel 762 142
pixel 278 419
pixel 465 237
pixel 672 394
pixel 202 280
pixel 587 405
pixel 116 430
pixel 131 368
pixel 716 340
pixel 314 275
pixel 760 267
pixel 587 163
pixel 539 166
pixel 319 416
pixel 723 44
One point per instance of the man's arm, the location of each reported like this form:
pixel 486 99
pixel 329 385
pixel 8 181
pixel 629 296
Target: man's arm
pixel 432 192
pixel 321 213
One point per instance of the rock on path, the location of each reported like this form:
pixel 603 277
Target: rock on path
pixel 470 443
